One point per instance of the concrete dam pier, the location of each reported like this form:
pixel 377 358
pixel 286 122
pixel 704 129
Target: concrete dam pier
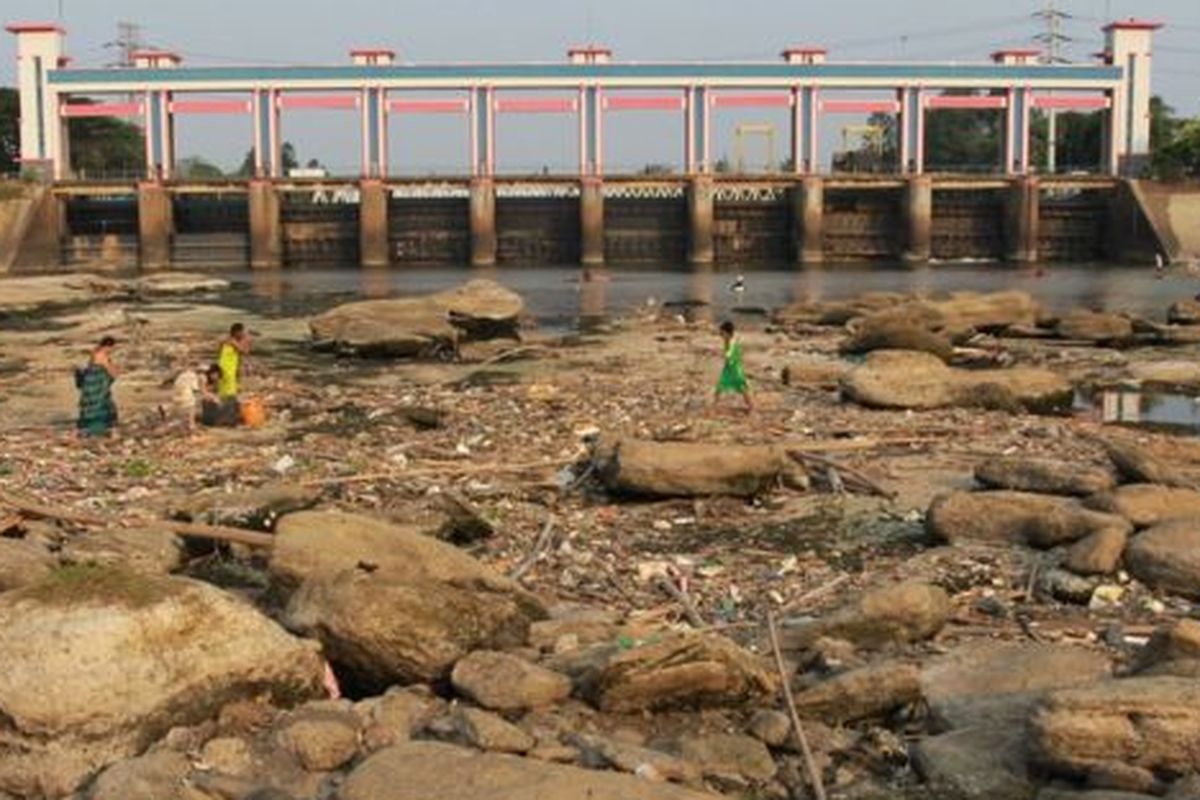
pixel 482 221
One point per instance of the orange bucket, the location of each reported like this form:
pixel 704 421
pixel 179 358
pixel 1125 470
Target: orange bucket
pixel 254 412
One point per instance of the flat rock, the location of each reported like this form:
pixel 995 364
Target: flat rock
pixel 426 770
pixel 23 562
pixel 100 662
pixel 488 731
pixel 1014 518
pixel 1146 504
pixel 1168 373
pixel 645 762
pixel 173 283
pixel 1091 326
pixel 1098 553
pixel 152 550
pixel 409 326
pixel 867 693
pixel 155 776
pixel 321 740
pixel 1167 557
pixel 987 682
pixel 897 614
pixel 1133 730
pixel 396 716
pixel 691 469
pixel 895 331
pixel 321 544
pixel 683 671
pixel 1043 476
pixel 504 682
pixel 1184 312
pixel 383 629
pixel 813 371
pixel 900 379
pixel 255 509
pixel 723 754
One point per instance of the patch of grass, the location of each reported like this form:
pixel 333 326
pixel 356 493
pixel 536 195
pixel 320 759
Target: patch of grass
pixel 137 469
pixel 83 584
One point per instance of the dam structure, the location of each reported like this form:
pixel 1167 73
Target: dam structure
pixel 800 210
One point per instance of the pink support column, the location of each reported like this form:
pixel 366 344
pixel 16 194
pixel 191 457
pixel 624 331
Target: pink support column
pixel 706 155
pixel 167 134
pixel 919 110
pixel 276 160
pixel 491 131
pixel 382 121
pixel 814 127
pixel 148 124
pixel 689 133
pixel 583 126
pixel 797 131
pixel 473 124
pixel 1009 124
pixel 364 133
pixel 598 156
pixel 1027 133
pixel 902 125
pixel 256 112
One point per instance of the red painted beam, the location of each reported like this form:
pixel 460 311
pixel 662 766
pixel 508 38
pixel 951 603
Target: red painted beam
pixel 967 101
pixel 644 103
pixel 210 107
pixel 751 101
pixel 319 102
pixel 102 110
pixel 431 106
pixel 1066 103
pixel 860 107
pixel 536 105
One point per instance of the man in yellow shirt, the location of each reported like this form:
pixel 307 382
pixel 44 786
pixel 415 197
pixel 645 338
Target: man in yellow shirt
pixel 229 359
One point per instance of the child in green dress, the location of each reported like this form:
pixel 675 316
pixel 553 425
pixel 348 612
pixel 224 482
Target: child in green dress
pixel 733 373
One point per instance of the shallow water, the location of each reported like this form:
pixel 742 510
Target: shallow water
pixel 565 296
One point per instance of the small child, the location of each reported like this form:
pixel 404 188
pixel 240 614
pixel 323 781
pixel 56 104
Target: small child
pixel 187 388
pixel 733 373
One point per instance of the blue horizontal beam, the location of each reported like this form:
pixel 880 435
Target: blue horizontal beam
pixel 353 75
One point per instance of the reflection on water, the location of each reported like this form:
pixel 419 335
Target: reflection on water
pixel 562 296
pixel 1143 409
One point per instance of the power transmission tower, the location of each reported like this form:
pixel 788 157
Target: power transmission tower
pixel 128 42
pixel 1053 42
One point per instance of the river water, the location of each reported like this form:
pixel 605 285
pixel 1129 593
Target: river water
pixel 565 297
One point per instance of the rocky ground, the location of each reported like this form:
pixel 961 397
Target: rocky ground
pixel 545 567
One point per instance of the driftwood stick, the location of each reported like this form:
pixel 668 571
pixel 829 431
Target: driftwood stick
pixel 689 608
pixel 850 474
pixel 814 775
pixel 462 468
pixel 225 534
pixel 539 546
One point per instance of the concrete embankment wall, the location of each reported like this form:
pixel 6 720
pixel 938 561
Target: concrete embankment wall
pixel 1173 213
pixel 16 207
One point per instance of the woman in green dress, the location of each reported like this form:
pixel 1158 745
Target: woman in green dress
pixel 97 409
pixel 733 373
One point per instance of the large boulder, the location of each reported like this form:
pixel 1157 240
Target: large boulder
pixel 865 693
pixel 503 682
pixel 1136 464
pixel 901 379
pixel 683 671
pixel 897 614
pixel 1091 326
pixel 1015 518
pixel 425 770
pixel 1146 504
pixel 381 628
pixel 1043 476
pixel 891 331
pixel 1098 553
pixel 23 562
pixel 322 544
pixel 1138 730
pixel 690 469
pixel 413 326
pixel 963 312
pixel 1167 557
pixel 99 663
pixel 980 763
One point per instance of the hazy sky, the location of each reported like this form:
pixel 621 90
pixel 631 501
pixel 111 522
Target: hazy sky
pixel 308 31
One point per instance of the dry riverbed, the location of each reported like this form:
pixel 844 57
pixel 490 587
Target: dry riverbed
pixel 922 645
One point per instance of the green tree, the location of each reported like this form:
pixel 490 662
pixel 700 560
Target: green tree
pixel 10 144
pixel 287 159
pixel 106 146
pixel 197 168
